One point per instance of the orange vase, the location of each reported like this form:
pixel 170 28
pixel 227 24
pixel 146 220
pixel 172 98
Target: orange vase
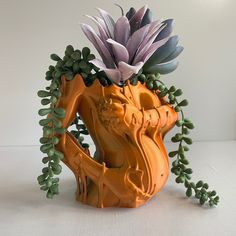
pixel 127 125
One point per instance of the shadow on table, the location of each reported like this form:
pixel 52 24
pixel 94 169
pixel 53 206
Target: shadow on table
pixel 28 195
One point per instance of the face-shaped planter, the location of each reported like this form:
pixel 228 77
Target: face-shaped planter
pixel 127 125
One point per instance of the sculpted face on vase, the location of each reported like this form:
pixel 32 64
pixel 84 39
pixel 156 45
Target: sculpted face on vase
pixel 127 126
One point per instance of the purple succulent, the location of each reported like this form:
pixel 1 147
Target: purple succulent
pixel 127 44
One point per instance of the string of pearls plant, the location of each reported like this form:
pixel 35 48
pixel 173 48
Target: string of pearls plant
pixel 180 165
pixel 76 61
pixel 72 63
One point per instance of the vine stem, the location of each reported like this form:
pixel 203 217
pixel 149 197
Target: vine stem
pixel 182 117
pixel 52 106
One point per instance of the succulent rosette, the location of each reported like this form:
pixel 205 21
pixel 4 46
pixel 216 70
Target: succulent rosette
pixel 134 42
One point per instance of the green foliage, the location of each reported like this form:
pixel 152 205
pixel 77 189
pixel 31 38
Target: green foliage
pixel 73 62
pixel 180 164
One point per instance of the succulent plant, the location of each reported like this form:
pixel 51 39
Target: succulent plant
pixel 131 43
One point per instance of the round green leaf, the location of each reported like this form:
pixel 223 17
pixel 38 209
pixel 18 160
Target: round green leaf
pixel 45 160
pixel 44 111
pixel 150 85
pixel 41 178
pixel 45 101
pixel 69 50
pixel 172 154
pixel 199 184
pixel 178 92
pixel 189 125
pixel 183 103
pixel 172 89
pixel 42 93
pixel 187 140
pixel 189 192
pixel 55 57
pixel 85 52
pixel 142 78
pixel 44 122
pixel 44 140
pixel 188 171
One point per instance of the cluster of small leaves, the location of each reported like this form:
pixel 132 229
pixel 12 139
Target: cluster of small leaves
pixel 180 165
pixel 76 62
pixel 201 192
pixel 79 131
pixel 73 62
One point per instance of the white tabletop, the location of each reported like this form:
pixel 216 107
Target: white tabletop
pixel 25 211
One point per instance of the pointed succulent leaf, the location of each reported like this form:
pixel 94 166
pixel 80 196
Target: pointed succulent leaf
pixel 167 30
pixel 137 18
pixel 120 52
pixel 130 13
pixel 147 47
pixel 110 24
pixel 163 68
pixel 147 18
pixel 173 55
pixel 127 70
pixel 104 34
pixel 122 30
pixel 98 44
pixel 163 52
pixel 113 74
pixel 135 40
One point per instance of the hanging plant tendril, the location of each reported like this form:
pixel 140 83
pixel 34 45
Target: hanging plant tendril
pixel 179 166
pixel 74 62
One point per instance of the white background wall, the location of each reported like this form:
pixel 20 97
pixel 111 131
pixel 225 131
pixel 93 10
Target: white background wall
pixel 30 30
